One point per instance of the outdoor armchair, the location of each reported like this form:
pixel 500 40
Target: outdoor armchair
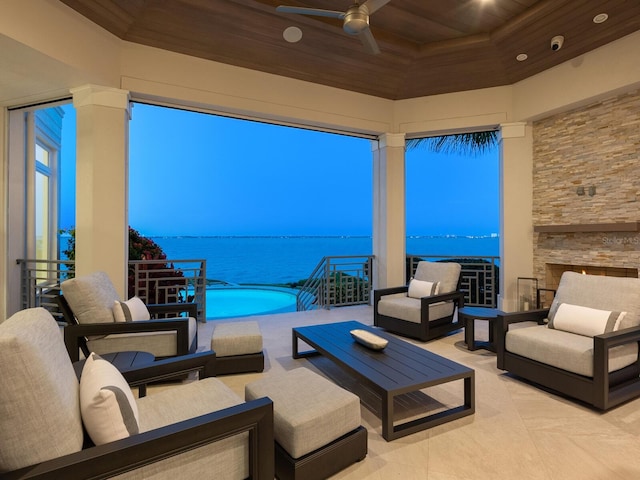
pixel 427 307
pixel 91 306
pixel 199 429
pixel 586 346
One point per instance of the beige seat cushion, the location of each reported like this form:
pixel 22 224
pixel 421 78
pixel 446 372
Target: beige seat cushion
pixel 616 294
pixel 91 297
pixel 236 338
pixel 401 306
pixel 564 350
pixel 39 393
pixel 446 274
pixel 228 458
pixel 309 410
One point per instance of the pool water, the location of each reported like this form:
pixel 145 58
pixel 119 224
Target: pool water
pixel 226 302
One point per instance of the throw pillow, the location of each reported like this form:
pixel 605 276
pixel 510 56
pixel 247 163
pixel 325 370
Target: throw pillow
pixel 108 408
pixel 132 309
pixel 420 288
pixel 586 321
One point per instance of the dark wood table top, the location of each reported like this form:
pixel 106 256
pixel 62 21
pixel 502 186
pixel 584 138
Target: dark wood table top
pixel 121 360
pixel 400 367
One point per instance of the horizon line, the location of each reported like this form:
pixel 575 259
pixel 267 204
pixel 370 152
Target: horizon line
pixel 439 235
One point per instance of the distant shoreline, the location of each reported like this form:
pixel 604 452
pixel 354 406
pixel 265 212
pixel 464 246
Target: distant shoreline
pixel 491 235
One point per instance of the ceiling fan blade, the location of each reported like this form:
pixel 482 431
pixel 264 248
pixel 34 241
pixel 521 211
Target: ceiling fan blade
pixel 370 44
pixel 310 11
pixel 373 5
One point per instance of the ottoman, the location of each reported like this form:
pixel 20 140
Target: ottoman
pixel 238 347
pixel 316 424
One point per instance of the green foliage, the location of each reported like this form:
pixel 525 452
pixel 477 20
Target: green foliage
pixel 70 252
pixel 347 289
pixel 141 248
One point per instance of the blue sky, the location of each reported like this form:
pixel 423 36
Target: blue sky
pixel 199 174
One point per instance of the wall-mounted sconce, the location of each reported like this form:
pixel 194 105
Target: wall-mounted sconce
pixel 592 190
pixel 580 191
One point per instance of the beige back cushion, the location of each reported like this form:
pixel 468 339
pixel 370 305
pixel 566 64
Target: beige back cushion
pixel 619 294
pixel 446 273
pixel 39 398
pixel 91 297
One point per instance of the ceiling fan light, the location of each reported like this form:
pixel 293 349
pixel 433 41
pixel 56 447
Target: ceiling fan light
pixel 355 21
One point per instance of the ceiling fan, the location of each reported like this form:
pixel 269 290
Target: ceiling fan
pixel 356 19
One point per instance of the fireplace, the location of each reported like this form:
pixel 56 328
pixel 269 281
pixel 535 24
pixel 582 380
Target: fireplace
pixel 554 272
pixel 595 249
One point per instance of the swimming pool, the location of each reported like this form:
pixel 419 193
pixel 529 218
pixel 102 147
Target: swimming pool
pixel 235 301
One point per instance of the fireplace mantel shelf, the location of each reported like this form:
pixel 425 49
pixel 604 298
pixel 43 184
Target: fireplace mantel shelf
pixel 589 227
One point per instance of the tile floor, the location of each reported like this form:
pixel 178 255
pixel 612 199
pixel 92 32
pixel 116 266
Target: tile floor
pixel 518 431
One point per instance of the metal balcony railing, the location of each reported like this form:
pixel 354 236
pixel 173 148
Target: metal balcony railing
pixel 170 281
pixel 154 281
pixel 345 280
pixel 40 283
pixel 337 282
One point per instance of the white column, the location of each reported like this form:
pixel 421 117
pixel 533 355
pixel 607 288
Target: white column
pixel 389 227
pixel 102 231
pixel 516 210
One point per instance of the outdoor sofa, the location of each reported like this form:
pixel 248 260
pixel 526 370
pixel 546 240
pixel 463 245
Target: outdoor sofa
pixel 585 346
pixel 97 322
pixel 424 309
pixel 51 422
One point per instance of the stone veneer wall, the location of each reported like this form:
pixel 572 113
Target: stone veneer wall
pixel 597 145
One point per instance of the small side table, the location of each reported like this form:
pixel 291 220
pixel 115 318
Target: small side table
pixel 123 361
pixel 468 316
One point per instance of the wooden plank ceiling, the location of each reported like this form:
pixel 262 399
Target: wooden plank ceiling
pixel 427 46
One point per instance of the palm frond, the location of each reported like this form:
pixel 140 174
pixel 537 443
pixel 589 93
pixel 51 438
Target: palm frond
pixel 473 143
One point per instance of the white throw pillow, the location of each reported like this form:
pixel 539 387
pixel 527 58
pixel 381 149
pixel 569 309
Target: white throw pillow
pixel 132 309
pixel 420 288
pixel 586 321
pixel 108 407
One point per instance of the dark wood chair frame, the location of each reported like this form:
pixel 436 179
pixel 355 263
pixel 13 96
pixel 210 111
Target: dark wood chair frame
pixel 115 458
pixel 75 334
pixel 603 391
pixel 425 330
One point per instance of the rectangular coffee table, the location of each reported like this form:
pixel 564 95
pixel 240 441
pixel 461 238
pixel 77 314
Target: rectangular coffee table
pixel 398 369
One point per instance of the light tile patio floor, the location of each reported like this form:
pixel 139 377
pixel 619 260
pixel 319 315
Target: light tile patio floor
pixel 518 431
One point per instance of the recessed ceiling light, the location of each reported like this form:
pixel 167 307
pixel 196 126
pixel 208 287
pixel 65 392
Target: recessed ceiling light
pixel 600 18
pixel 292 34
pixel 521 57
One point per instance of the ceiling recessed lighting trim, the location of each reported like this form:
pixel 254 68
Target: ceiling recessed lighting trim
pixel 521 57
pixel 600 18
pixel 292 34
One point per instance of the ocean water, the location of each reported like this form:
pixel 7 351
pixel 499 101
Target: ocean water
pixel 281 260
